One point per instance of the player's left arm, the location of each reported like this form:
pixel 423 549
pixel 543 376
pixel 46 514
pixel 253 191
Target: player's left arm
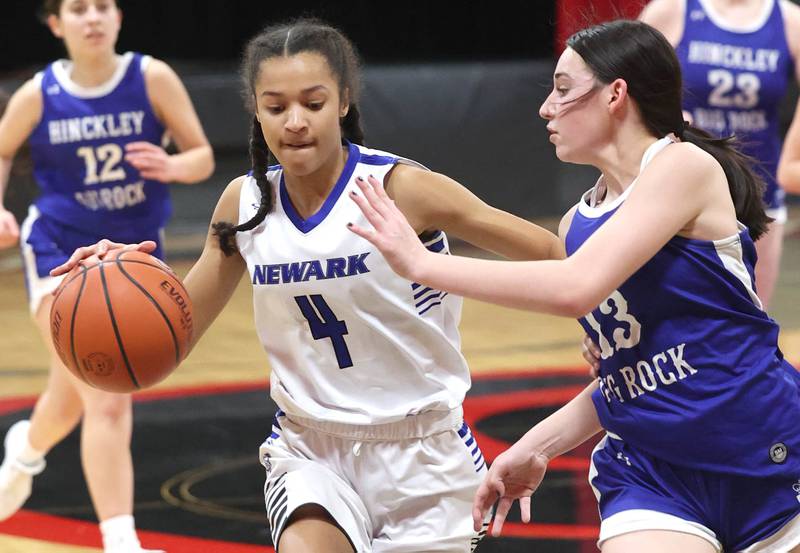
pixel 173 107
pixel 789 167
pixel 432 201
pixel 670 195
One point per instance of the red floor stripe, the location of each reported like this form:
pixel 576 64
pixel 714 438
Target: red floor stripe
pixel 27 524
pixel 550 531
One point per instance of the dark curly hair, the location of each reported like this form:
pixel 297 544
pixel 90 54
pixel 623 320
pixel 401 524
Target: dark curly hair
pixel 289 39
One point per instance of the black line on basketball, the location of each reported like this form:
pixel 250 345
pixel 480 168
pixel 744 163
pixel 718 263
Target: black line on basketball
pixel 167 270
pixel 155 303
pixel 116 330
pixel 72 325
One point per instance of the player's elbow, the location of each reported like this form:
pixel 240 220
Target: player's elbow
pixel 788 177
pixel 207 164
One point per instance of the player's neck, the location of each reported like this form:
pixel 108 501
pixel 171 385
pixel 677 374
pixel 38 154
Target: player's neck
pixel 620 162
pixel 309 192
pixel 93 71
pixel 737 12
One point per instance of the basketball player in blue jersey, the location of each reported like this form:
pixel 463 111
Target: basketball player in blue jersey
pixel 701 451
pixel 95 125
pixel 737 58
pixel 369 452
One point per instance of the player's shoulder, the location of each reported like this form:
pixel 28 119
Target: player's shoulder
pixel 666 16
pixel 791 23
pixel 566 222
pixel 235 186
pixel 27 100
pixel 684 165
pixel 790 12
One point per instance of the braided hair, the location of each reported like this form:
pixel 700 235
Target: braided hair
pixel 289 39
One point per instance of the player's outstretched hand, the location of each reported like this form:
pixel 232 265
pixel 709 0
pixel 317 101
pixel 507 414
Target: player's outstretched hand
pixel 89 255
pixel 9 229
pixel 515 474
pixel 592 354
pixel 391 233
pixel 151 161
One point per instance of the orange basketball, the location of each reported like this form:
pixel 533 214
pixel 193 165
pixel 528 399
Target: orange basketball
pixel 122 324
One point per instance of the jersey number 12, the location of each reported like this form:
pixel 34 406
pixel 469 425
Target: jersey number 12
pixel 324 324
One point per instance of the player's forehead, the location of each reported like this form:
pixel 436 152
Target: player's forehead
pixel 301 71
pixel 571 67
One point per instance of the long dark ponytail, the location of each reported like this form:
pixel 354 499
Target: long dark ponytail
pixel 288 39
pixel 639 54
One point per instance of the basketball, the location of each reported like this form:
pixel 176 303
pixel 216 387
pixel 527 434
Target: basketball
pixel 123 323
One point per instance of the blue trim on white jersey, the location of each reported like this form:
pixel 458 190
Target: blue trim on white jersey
pixel 307 225
pixel 376 159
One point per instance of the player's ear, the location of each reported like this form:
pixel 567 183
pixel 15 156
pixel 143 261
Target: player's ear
pixel 344 103
pixel 617 94
pixel 54 24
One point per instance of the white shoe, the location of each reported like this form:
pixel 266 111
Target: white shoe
pixel 16 477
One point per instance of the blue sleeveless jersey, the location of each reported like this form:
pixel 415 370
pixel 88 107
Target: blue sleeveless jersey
pixel 734 81
pixel 78 151
pixel 691 372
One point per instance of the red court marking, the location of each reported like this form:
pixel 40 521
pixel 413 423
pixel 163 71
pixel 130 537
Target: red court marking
pixel 550 531
pixel 28 524
pixel 477 408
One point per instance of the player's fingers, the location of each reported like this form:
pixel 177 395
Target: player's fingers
pixel 368 189
pixel 503 507
pixel 146 246
pixel 368 210
pixel 525 508
pixel 591 347
pixel 367 235
pixel 484 499
pixel 140 146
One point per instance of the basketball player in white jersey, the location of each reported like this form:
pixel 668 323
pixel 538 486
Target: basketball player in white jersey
pixel 369 451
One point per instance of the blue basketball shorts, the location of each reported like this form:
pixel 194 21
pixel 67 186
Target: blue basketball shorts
pixel 46 243
pixel 637 491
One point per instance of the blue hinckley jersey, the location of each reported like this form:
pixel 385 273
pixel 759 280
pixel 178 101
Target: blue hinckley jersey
pixel 78 150
pixel 735 78
pixel 690 370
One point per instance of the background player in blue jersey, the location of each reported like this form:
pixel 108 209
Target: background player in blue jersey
pixel 369 451
pixel 737 58
pixel 702 449
pixel 95 125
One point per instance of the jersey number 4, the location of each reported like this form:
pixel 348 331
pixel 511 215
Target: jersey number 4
pixel 324 324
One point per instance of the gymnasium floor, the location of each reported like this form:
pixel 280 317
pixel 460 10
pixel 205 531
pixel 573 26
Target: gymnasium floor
pixel 196 435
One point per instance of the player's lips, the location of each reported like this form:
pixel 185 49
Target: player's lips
pixel 298 145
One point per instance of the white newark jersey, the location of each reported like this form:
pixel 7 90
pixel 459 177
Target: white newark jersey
pixel 349 341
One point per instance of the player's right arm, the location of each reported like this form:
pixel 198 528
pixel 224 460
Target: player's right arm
pixel 517 472
pixel 214 277
pixel 789 165
pixel 22 114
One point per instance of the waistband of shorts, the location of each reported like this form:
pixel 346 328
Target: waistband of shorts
pixel 413 426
